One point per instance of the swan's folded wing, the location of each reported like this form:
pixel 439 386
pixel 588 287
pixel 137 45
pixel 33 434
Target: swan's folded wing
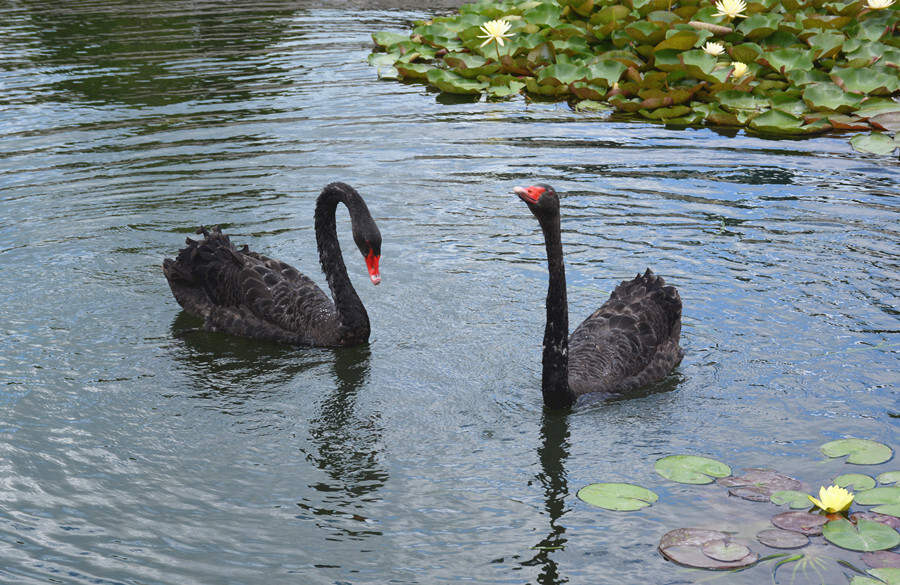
pixel 630 341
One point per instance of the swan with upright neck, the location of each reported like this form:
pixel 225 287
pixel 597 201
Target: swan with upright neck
pixel 245 293
pixel 632 340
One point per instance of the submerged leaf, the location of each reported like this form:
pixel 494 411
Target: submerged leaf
pixel 780 538
pixel 699 548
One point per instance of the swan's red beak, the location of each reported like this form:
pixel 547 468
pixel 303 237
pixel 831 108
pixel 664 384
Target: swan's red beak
pixel 529 194
pixel 372 265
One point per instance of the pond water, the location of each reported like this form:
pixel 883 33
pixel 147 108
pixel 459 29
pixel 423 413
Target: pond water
pixel 133 454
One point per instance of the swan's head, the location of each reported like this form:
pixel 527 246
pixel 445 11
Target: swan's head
pixel 368 240
pixel 542 200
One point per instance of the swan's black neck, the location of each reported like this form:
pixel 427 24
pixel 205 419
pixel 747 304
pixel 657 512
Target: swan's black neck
pixel 555 379
pixel 351 312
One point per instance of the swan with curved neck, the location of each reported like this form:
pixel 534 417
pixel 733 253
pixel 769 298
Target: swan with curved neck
pixel 245 293
pixel 630 341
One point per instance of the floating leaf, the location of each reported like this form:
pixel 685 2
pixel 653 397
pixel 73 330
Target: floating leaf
pixel 617 496
pixel 689 546
pixel 797 500
pixel 691 469
pixel 388 39
pixel 864 536
pixel 803 522
pixel 879 495
pixel 870 81
pixel 779 538
pixel 882 559
pixel 875 143
pixel 854 481
pixel 882 576
pixel 828 96
pixel 885 519
pixel 888 477
pixel 859 451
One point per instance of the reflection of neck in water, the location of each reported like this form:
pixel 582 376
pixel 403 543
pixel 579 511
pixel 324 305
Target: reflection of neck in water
pixel 348 445
pixel 552 454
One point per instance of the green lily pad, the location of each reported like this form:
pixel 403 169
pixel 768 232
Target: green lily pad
pixel 859 451
pixel 854 481
pixel 874 143
pixel 691 469
pixel 828 96
pixel 696 547
pixel 864 536
pixel 888 509
pixel 388 39
pixel 879 495
pixel 451 82
pixel 888 477
pixel 795 499
pixel 884 576
pixel 617 496
pixel 779 538
pixel 869 81
pixel 786 59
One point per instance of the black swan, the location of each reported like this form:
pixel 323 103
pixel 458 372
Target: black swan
pixel 245 293
pixel 630 341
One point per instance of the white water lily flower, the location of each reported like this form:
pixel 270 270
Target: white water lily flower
pixel 879 4
pixel 715 49
pixel 731 8
pixel 495 31
pixel 740 69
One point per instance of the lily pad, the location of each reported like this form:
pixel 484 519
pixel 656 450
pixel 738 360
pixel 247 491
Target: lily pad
pixel 888 477
pixel 879 495
pixel 865 536
pixel 885 519
pixel 764 482
pixel 779 538
pixel 727 551
pixel 882 559
pixel 874 143
pixel 802 522
pixel 693 547
pixel 617 496
pixel 882 576
pixel 854 481
pixel 691 469
pixel 859 451
pixel 795 499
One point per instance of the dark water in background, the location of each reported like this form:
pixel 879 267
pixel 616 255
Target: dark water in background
pixel 130 455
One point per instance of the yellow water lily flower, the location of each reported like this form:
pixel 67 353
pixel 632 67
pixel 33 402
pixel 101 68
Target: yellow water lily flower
pixel 740 69
pixel 879 4
pixel 832 499
pixel 730 8
pixel 715 49
pixel 495 31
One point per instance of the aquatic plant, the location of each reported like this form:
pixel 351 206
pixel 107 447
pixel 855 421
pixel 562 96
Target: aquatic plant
pixel 795 67
pixel 872 532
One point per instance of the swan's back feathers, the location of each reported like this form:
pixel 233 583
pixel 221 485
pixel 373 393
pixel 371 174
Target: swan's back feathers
pixel 245 293
pixel 630 341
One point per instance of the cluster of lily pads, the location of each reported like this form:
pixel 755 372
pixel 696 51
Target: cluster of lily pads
pixel 788 67
pixel 873 531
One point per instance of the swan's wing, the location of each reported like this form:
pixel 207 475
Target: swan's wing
pixel 245 293
pixel 630 341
